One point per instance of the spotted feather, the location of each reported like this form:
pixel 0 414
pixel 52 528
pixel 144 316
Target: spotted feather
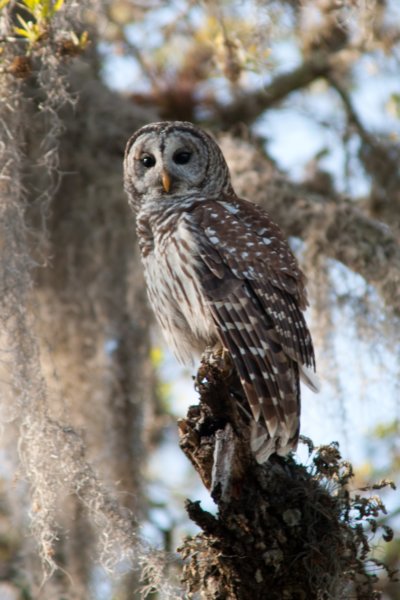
pixel 259 313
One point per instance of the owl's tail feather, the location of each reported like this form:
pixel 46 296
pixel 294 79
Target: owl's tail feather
pixel 283 437
pixel 310 378
pixel 263 445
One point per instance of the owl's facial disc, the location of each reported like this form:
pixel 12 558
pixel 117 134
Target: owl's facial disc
pixel 173 163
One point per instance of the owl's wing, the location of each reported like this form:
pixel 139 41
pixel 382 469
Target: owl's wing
pixel 256 294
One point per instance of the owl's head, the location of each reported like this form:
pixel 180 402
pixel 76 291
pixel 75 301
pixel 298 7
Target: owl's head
pixel 172 160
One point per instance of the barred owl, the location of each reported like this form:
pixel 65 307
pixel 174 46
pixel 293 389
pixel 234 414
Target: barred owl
pixel 220 274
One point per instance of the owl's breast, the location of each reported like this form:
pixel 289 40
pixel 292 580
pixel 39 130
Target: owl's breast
pixel 174 289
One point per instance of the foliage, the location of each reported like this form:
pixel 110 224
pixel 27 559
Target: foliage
pixel 33 24
pixel 383 441
pixel 42 12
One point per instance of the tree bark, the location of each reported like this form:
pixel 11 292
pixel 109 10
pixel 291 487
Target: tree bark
pixel 281 531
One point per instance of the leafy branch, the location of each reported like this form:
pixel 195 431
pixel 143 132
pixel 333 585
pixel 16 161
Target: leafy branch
pixel 31 23
pixel 42 11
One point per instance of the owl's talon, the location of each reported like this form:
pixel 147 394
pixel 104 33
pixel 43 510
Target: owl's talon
pixel 219 357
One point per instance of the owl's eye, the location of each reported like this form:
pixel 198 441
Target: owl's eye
pixel 148 161
pixel 182 157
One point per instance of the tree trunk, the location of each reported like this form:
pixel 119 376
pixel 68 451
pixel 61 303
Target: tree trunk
pixel 282 531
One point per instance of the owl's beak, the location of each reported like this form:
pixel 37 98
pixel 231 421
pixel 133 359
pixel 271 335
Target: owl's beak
pixel 166 181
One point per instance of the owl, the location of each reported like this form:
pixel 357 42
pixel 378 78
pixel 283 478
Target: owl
pixel 220 275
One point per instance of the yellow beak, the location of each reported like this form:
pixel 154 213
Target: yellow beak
pixel 166 181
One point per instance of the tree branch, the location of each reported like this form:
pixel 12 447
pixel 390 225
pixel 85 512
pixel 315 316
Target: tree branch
pixel 341 231
pixel 380 160
pixel 248 106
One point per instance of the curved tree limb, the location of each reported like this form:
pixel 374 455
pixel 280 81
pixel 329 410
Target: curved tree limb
pixel 247 107
pixel 380 159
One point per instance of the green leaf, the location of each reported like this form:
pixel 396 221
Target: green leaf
pixel 31 34
pixel 45 9
pixel 83 40
pixel 393 105
pixel 31 5
pixel 74 38
pixel 25 25
pixel 22 32
pixel 29 29
pixel 58 5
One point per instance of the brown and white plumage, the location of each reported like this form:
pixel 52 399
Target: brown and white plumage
pixel 219 271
